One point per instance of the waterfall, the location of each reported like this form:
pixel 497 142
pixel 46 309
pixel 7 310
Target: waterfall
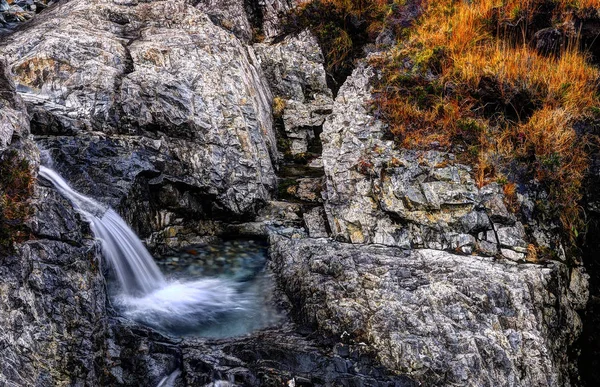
pixel 133 265
pixel 144 293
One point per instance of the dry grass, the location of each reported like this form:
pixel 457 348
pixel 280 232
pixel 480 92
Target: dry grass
pixel 459 84
pixel 16 189
pixel 279 105
pixel 466 79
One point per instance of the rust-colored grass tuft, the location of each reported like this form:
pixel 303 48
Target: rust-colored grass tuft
pixel 466 78
pixel 459 84
pixel 279 105
pixel 16 189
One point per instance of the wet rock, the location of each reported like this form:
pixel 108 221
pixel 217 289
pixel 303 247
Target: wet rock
pixel 282 357
pixel 53 300
pixel 138 355
pixel 439 318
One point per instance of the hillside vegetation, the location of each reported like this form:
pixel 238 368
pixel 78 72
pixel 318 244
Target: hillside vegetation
pixel 466 77
pixel 16 189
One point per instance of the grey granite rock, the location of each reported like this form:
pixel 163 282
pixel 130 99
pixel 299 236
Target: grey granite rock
pixel 294 69
pixel 54 314
pixel 159 110
pixel 52 291
pixel 250 20
pixel 315 222
pixel 376 193
pixel 14 120
pixel 229 14
pixel 439 318
pixel 53 301
pixel 126 92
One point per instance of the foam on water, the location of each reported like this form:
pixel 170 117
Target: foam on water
pixel 194 304
pixel 143 293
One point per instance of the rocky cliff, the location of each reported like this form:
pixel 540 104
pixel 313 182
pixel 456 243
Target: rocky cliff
pixel 195 120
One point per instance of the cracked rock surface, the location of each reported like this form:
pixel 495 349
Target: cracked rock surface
pixel 155 85
pixel 439 318
pixel 376 193
pixel 397 269
pixel 295 71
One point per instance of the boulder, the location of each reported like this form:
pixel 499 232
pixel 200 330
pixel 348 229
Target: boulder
pixel 439 318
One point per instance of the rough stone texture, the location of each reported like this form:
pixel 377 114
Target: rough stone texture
pixel 53 301
pixel 14 120
pixel 440 318
pixel 183 98
pixel 272 12
pixel 294 68
pixel 154 109
pixel 229 14
pixel 279 357
pixel 14 12
pixel 248 19
pixel 54 321
pixel 138 356
pixel 378 194
pixel 316 223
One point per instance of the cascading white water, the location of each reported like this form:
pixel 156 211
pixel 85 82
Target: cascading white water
pixel 133 265
pixel 144 294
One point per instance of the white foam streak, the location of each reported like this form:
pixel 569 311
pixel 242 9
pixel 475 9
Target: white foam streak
pixel 145 295
pixel 133 265
pixel 193 303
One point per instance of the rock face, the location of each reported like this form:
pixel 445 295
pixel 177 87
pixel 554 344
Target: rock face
pixel 378 194
pixel 14 121
pixel 439 318
pixel 13 12
pixel 279 357
pixel 175 99
pixel 295 71
pixel 53 301
pixel 250 20
pixel 55 320
pixel 47 280
pixel 164 110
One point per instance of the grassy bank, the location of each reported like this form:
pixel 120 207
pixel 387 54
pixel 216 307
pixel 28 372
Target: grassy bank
pixel 466 77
